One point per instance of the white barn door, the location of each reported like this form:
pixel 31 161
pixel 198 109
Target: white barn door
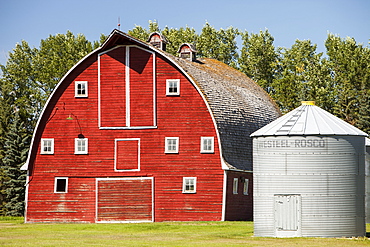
pixel 287 215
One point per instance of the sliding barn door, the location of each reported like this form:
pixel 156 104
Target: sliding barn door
pixel 124 200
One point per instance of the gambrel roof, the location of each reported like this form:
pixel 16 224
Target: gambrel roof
pixel 237 104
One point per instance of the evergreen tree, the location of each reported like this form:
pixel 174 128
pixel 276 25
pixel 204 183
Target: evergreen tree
pixel 13 181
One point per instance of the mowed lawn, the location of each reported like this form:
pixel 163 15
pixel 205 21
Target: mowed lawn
pixel 13 232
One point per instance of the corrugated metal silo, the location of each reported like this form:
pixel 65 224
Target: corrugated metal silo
pixel 309 176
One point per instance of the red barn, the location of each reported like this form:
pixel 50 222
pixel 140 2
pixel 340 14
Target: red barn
pixel 132 133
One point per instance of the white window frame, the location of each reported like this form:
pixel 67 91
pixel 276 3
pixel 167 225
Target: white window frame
pixel 77 95
pixel 167 146
pixel 203 146
pixel 43 142
pixel 185 181
pixel 245 186
pixel 86 141
pixel 235 186
pixel 168 83
pixel 56 182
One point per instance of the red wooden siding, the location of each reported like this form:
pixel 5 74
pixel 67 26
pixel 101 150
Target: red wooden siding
pixel 239 206
pixel 141 88
pixel 74 206
pixel 185 116
pixel 127 154
pixel 124 200
pixel 112 69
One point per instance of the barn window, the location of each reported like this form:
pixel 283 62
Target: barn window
pixel 80 89
pixel 81 145
pixel 235 186
pixel 173 87
pixel 61 185
pixel 206 145
pixel 47 146
pixel 245 186
pixel 172 145
pixel 189 185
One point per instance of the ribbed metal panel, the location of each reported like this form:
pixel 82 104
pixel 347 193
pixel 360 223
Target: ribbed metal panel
pixel 326 172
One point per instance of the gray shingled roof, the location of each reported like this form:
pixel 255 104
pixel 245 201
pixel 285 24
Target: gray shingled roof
pixel 238 104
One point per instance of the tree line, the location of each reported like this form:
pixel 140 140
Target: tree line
pixel 337 80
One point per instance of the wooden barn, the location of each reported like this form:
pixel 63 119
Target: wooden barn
pixel 134 134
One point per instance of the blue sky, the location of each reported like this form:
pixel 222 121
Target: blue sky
pixel 286 20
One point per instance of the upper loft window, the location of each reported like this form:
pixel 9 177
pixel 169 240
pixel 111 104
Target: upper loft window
pixel 47 146
pixel 207 144
pixel 81 145
pixel 80 89
pixel 173 87
pixel 172 145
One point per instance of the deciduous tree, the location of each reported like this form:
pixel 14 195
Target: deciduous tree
pixel 258 58
pixel 301 77
pixel 349 66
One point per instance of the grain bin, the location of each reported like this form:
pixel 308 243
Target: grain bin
pixel 309 176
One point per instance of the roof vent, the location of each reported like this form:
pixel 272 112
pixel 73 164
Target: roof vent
pixel 308 102
pixel 158 40
pixel 187 51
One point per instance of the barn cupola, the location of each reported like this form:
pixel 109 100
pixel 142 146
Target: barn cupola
pixel 187 51
pixel 158 40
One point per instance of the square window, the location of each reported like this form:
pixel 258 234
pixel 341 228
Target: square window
pixel 80 89
pixel 172 145
pixel 61 185
pixel 245 187
pixel 189 185
pixel 81 145
pixel 47 146
pixel 173 87
pixel 207 144
pixel 235 186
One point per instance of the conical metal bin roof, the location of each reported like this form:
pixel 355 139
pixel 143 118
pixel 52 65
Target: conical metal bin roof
pixel 308 119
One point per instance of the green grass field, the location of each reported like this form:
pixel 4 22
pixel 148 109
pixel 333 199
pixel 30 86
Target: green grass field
pixel 13 232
